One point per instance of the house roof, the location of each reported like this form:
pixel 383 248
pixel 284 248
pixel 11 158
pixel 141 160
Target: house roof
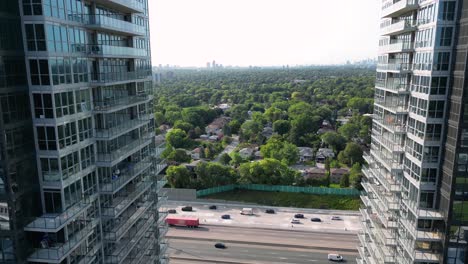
pixel 306 151
pixel 339 170
pixel 325 152
pixel 315 170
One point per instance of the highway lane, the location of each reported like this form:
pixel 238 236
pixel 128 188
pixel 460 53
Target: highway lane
pixel 186 251
pixel 254 245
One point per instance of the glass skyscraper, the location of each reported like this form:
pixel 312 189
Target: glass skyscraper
pixel 79 164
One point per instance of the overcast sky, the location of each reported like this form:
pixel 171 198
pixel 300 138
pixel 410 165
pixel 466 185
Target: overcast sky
pixel 263 32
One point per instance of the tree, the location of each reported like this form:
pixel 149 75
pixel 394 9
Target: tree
pixel 344 182
pixel 236 159
pixel 212 174
pixel 266 171
pixel 185 126
pixel 362 105
pixel 178 177
pixel 281 127
pixel 225 159
pixel 177 138
pixel 179 155
pixel 334 140
pixel 275 148
pixel 234 126
pixel 251 131
pixel 355 176
pixel 351 154
pixel 349 130
pixel 303 127
pixel 273 114
pixel 159 118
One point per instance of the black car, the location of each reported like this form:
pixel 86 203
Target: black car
pixel 316 219
pixel 220 245
pixel 213 207
pixel 187 208
pixel 172 211
pixel 226 216
pixel 298 216
pixel 269 211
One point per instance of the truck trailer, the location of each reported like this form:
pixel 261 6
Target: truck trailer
pixel 182 221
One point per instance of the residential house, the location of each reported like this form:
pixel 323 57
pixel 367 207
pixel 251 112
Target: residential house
pixel 337 173
pixel 314 173
pixel 246 153
pixel 196 153
pixel 216 127
pixel 324 154
pixel 305 154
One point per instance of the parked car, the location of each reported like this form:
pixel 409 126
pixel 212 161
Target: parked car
pixel 172 211
pixel 336 218
pixel 295 221
pixel 213 207
pixel 335 257
pixel 269 211
pixel 187 208
pixel 316 219
pixel 220 245
pixel 226 216
pixel 298 216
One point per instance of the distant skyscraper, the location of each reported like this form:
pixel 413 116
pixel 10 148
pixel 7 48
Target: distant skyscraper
pixel 79 170
pixel 416 181
pixel 213 65
pixel 208 65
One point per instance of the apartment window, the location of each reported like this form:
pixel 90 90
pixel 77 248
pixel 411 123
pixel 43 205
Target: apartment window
pixel 420 84
pixel 70 164
pixel 73 194
pixel 426 199
pixel 439 85
pixel 54 8
pixel 87 157
pixel 32 7
pixel 447 11
pixel 80 70
pixel 424 38
pixel 442 60
pixel 433 132
pixel 429 175
pixel 61 70
pixel 50 169
pixel 412 169
pixel 85 128
pixel 83 101
pixel 436 109
pixel 67 135
pixel 53 201
pixel 416 128
pixel 77 38
pixel 35 37
pixel 39 72
pixel 13 108
pixel 57 38
pixel 89 184
pixel 431 154
pixel 46 138
pixel 418 106
pixel 445 38
pixel 426 14
pixel 413 148
pixel 64 104
pixel 43 106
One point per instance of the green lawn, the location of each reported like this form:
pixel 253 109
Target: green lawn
pixel 285 199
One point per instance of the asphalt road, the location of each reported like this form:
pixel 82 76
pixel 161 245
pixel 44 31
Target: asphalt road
pixel 252 245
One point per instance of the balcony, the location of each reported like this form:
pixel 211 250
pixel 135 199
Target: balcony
pixel 397 47
pixel 110 78
pixel 130 171
pixel 396 8
pixel 129 6
pixel 393 85
pixel 390 124
pixel 118 130
pixel 389 144
pixel 126 244
pixel 114 25
pixel 144 249
pixel 108 159
pixel 114 104
pixel 117 232
pixel 121 203
pixel 395 66
pixel 58 252
pixel 52 223
pixel 115 51
pixel 399 27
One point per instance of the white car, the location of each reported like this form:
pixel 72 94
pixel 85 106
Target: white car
pixel 295 221
pixel 335 257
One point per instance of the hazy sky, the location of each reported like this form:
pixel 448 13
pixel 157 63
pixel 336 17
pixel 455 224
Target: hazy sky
pixel 263 32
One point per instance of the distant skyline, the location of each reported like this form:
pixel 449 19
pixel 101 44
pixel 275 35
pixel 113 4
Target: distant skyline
pixel 263 32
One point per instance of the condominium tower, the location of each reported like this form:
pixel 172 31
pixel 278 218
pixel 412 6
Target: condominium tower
pixel 416 181
pixel 79 162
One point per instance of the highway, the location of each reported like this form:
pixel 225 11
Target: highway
pixel 254 245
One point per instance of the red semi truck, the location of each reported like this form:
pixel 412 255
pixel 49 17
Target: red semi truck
pixel 182 221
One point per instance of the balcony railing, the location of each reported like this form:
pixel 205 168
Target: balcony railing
pixel 124 151
pixel 122 203
pixel 397 46
pixel 117 232
pixel 57 252
pixel 110 104
pixel 398 27
pixel 119 51
pixel 397 7
pixel 113 77
pixel 394 66
pixel 127 174
pixel 53 222
pixel 114 24
pixel 396 85
pixel 125 126
pixel 135 5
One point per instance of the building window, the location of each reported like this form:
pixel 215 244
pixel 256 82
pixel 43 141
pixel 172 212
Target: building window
pixel 80 70
pixel 439 85
pixel 442 60
pixel 46 138
pixel 447 12
pixel 431 154
pixel 73 194
pixel 83 101
pixel 50 169
pixel 57 38
pixel 35 37
pixel 89 184
pixel 13 107
pixel 39 72
pixel 64 104
pixel 426 199
pixel 43 106
pixel 61 70
pixel 54 8
pixel 87 157
pixel 53 201
pixel 32 7
pixel 67 135
pixel 85 128
pixel 429 175
pixel 70 165
pixel 445 38
pixel 436 109
pixel 433 132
